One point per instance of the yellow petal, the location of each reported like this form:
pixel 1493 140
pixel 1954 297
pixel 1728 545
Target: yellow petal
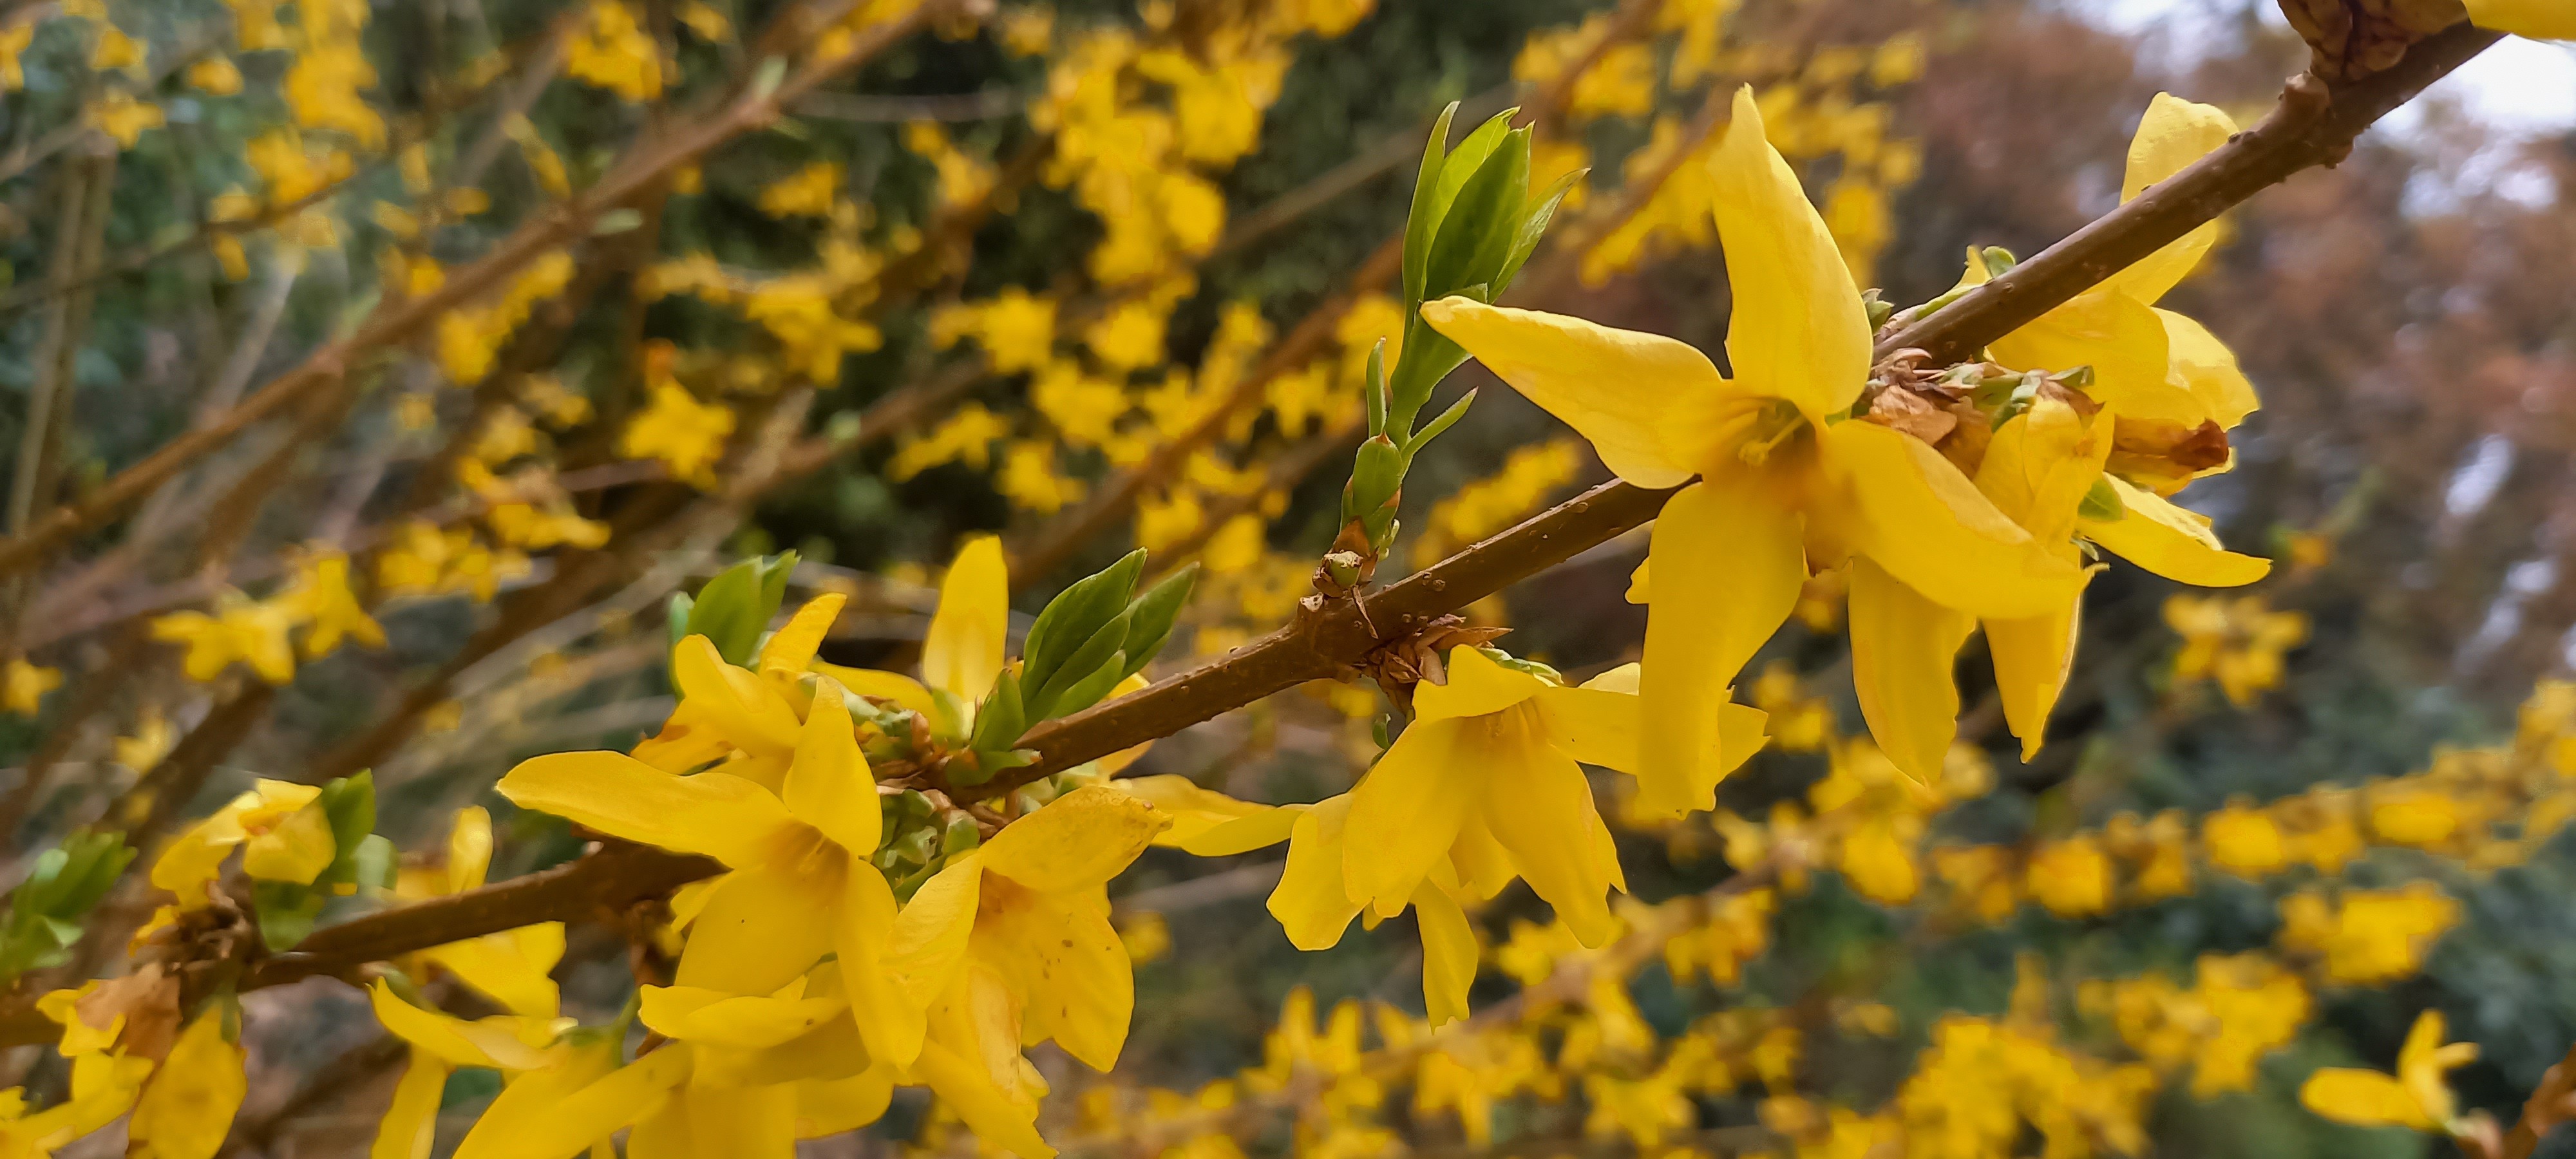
pixel 930 934
pixel 1481 865
pixel 296 850
pixel 2031 658
pixel 969 1091
pixel 1540 808
pixel 2171 541
pixel 406 1130
pixel 2040 465
pixel 1077 841
pixel 500 1042
pixel 745 1021
pixel 1929 526
pixel 1449 954
pixel 888 1018
pixel 761 927
pixel 1593 724
pixel 1067 962
pixel 1904 650
pixel 536 1116
pixel 2125 343
pixel 717 814
pixel 2173 134
pixel 833 1106
pixel 903 690
pixel 1207 823
pixel 503 967
pixel 793 645
pixel 2540 19
pixel 2362 1098
pixel 1798 330
pixel 1477 686
pixel 742 706
pixel 1407 810
pixel 963 652
pixel 1618 388
pixel 830 786
pixel 1726 536
pixel 1311 903
pixel 469 849
pixel 188 1106
pixel 2207 368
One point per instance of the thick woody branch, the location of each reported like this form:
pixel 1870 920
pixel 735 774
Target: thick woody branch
pixel 2315 124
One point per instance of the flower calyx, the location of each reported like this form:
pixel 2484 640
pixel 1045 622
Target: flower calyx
pixel 1400 664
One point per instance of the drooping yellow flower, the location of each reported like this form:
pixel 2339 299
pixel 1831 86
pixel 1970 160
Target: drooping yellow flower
pixel 1485 786
pixel 188 1106
pixel 1782 481
pixel 1011 945
pixel 2416 1097
pixel 153 738
pixel 557 1081
pixel 798 835
pixel 103 1087
pixel 2538 19
pixel 512 967
pixel 24 685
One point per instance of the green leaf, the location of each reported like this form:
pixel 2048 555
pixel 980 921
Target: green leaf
pixel 1089 690
pixel 727 611
pixel 1151 616
pixel 678 615
pixel 1483 208
pixel 1533 227
pixel 1075 615
pixel 287 912
pixel 1510 214
pixel 1079 667
pixel 1003 716
pixel 1447 419
pixel 1424 218
pixel 2102 503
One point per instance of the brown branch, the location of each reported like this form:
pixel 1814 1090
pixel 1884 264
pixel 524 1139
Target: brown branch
pixel 2315 124
pixel 399 322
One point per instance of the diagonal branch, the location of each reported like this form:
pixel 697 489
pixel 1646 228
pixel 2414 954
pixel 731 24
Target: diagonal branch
pixel 2314 124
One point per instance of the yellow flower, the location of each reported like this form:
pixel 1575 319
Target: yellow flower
pixel 613 52
pixel 1781 481
pixel 188 1106
pixel 2150 366
pixel 253 633
pixel 2416 1097
pixel 806 193
pixel 2244 841
pixel 103 1088
pixel 215 76
pixel 2369 937
pixel 1019 930
pixel 24 685
pixel 320 598
pixel 963 652
pixel 14 40
pixel 1486 785
pixel 122 117
pixel 798 840
pixel 688 436
pixel 152 740
pixel 2071 877
pixel 1016 328
pixel 511 967
pixel 280 828
pixel 2538 19
pixel 2239 643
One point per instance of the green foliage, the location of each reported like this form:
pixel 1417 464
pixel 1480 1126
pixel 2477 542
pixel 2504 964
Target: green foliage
pixel 734 609
pixel 287 912
pixel 1097 632
pixel 45 911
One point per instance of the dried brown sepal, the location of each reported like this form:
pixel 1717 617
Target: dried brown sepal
pixel 1350 563
pixel 2351 39
pixel 2163 456
pixel 1398 665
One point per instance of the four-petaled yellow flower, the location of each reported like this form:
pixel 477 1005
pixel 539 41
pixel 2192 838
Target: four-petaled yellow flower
pixel 1783 480
pixel 1485 786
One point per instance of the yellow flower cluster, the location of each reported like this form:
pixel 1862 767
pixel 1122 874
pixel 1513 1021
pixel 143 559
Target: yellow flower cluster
pixel 1484 506
pixel 2236 642
pixel 257 632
